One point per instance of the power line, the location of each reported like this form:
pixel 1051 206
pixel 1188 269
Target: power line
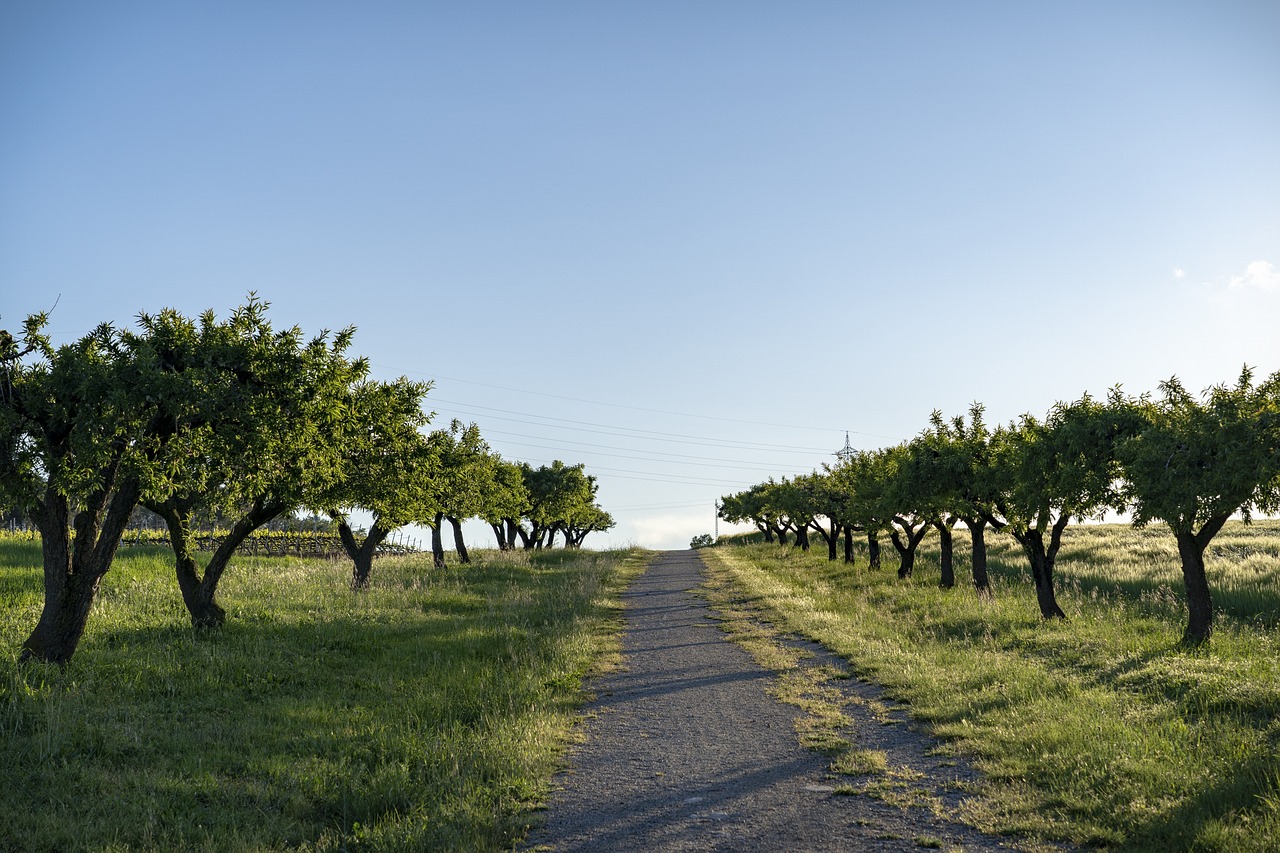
pixel 672 461
pixel 679 438
pixel 618 405
pixel 656 477
pixel 708 462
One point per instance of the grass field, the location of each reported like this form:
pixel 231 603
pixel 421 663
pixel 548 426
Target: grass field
pixel 1100 730
pixel 427 713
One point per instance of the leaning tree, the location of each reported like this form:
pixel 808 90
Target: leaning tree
pixel 257 432
pixel 1054 471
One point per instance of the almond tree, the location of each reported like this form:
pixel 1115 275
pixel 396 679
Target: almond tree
pixel 864 480
pixel 827 500
pixel 257 434
pixel 1056 471
pixel 387 468
pixel 955 457
pixel 749 505
pixel 463 476
pixel 506 504
pixel 1193 464
pixel 590 518
pixel 795 504
pixel 83 433
pixel 560 496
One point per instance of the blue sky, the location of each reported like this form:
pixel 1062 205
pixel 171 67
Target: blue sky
pixel 686 244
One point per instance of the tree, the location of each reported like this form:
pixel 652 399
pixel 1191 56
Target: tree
pixel 84 433
pixel 506 503
pixel 841 505
pixel 585 520
pixel 827 502
pixel 387 468
pixel 1054 471
pixel 1194 464
pixel 864 482
pixel 464 474
pixel 752 505
pixel 906 501
pixel 561 499
pixel 955 457
pixel 794 503
pixel 257 434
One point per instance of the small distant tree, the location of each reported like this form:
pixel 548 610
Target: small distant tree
pixel 589 519
pixel 561 500
pixel 1193 464
pixel 752 505
pixel 464 475
pixel 387 468
pixel 841 504
pixel 506 503
pixel 864 479
pixel 905 502
pixel 795 503
pixel 827 502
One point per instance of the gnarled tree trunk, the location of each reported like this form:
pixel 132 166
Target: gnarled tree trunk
pixel 1191 547
pixel 361 553
pixel 73 569
pixel 199 591
pixel 1042 559
pixel 907 549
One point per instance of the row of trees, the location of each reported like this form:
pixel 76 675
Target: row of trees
pixel 196 418
pixel 1191 463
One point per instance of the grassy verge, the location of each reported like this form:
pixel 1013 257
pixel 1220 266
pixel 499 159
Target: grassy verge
pixel 426 714
pixel 1099 730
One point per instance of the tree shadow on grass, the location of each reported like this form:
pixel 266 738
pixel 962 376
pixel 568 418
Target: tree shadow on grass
pixel 1244 794
pixel 283 726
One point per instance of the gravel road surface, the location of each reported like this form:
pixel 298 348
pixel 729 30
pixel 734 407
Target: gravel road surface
pixel 685 750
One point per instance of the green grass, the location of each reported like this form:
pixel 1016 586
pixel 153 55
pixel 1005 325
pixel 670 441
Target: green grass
pixel 427 713
pixel 1099 730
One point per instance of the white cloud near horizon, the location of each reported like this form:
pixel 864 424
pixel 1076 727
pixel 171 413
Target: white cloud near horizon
pixel 673 530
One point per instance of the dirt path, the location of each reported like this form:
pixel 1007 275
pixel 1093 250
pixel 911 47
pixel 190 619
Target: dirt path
pixel 685 750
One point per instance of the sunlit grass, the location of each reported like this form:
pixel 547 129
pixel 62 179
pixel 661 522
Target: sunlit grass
pixel 427 713
pixel 1099 730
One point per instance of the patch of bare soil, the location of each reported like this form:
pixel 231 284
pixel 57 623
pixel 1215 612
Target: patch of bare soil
pixel 687 748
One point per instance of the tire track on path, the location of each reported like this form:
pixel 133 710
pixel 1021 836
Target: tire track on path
pixel 685 750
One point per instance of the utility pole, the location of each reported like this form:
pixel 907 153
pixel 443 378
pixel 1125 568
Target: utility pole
pixel 846 453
